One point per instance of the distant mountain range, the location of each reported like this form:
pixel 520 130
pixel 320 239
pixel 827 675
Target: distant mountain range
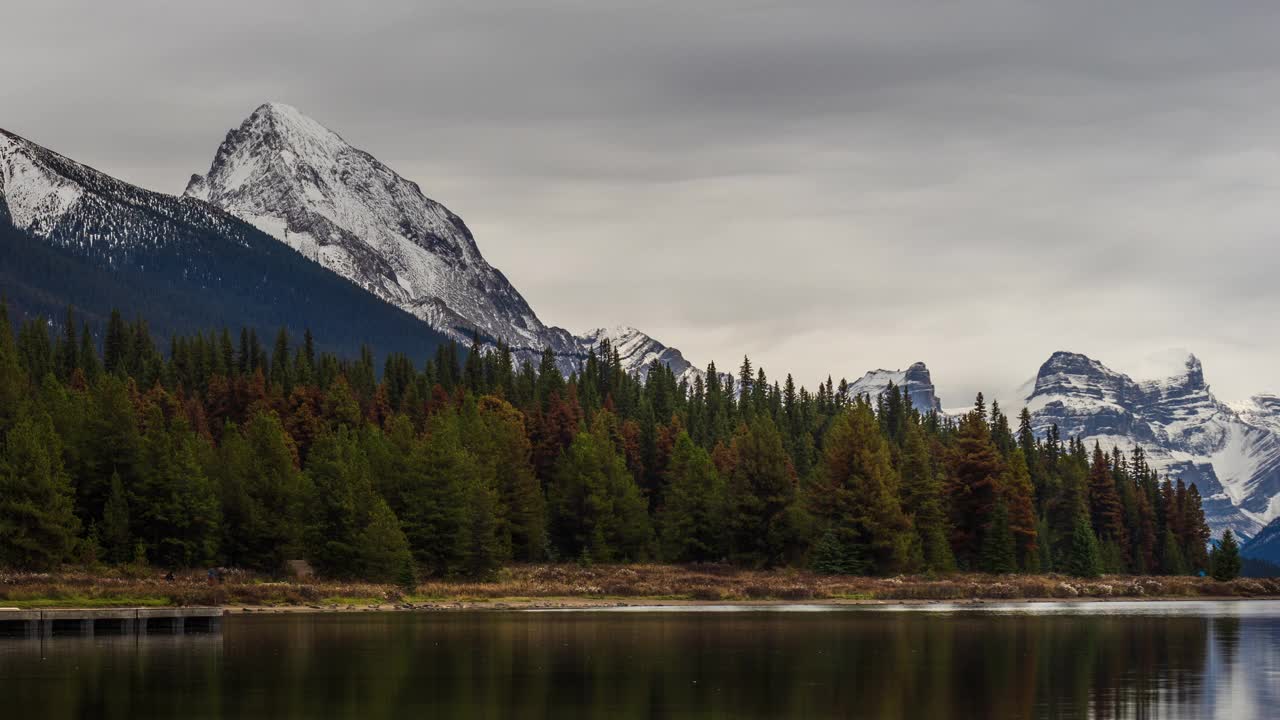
pixel 293 227
pixel 1232 454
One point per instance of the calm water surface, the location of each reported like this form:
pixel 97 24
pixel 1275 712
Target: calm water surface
pixel 1114 660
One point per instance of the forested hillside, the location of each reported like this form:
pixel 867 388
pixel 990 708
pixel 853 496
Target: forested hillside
pixel 225 448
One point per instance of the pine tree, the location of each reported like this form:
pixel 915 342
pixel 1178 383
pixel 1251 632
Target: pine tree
pixel 175 507
pixel 922 496
pixel 1018 496
pixel 1195 538
pixel 973 487
pixel 1106 511
pixel 855 495
pixel 381 548
pixel 340 502
pixel 262 494
pixel 830 556
pixel 37 524
pixel 431 500
pixel 1084 559
pixel 999 553
pixel 115 523
pixel 1225 558
pixel 692 520
pixel 501 441
pixel 1172 561
pixel 762 492
pixel 596 507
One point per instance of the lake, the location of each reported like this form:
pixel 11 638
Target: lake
pixel 1105 660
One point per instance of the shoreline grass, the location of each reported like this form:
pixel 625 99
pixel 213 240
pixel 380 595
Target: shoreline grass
pixel 598 584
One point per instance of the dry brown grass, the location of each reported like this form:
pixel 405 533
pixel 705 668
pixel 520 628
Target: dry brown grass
pixel 602 583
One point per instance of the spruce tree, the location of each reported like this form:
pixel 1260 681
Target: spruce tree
pixel 1225 558
pixel 762 492
pixel 1106 511
pixel 115 536
pixel 1172 561
pixel 855 495
pixel 973 487
pixel 1084 559
pixel 692 519
pixel 500 441
pixel 999 552
pixel 381 548
pixel 38 526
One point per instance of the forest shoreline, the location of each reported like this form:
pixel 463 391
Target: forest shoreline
pixel 550 586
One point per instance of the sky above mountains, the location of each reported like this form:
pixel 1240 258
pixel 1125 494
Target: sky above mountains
pixel 827 186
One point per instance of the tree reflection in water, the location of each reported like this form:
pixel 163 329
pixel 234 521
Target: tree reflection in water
pixel 852 664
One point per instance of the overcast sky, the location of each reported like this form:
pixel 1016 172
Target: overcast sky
pixel 829 187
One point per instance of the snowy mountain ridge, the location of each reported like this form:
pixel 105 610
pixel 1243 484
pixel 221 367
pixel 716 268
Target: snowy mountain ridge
pixel 75 236
pixel 1232 456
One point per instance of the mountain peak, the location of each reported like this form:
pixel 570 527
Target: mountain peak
pixel 301 183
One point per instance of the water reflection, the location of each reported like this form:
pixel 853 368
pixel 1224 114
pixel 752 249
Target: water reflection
pixel 1220 661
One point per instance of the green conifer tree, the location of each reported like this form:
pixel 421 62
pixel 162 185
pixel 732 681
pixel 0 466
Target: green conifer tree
pixel 116 537
pixel 762 491
pixel 999 553
pixel 856 494
pixel 38 526
pixel 1225 558
pixel 692 520
pixel 1084 559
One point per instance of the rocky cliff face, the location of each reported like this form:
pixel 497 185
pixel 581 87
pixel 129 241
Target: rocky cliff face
pixel 1233 457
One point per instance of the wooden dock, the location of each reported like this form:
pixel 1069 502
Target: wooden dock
pixel 114 621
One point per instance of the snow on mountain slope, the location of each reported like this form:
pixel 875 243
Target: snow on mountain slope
pixel 74 206
pixel 1233 457
pixel 1261 410
pixel 303 184
pixel 37 195
pixel 915 381
pixel 72 235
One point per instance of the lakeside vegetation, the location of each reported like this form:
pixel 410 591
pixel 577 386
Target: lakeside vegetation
pixel 218 453
pixel 544 585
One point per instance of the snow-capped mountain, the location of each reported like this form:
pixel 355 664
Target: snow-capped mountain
pixel 637 352
pixel 1233 457
pixel 71 234
pixel 914 381
pixel 301 183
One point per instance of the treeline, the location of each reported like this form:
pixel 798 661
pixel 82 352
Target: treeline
pixel 222 450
